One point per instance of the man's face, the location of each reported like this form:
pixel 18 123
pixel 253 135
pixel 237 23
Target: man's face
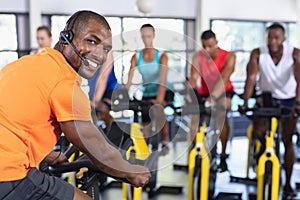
pixel 93 43
pixel 211 46
pixel 275 40
pixel 43 39
pixel 147 35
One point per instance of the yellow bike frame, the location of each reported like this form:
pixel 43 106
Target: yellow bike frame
pixel 269 155
pixel 141 152
pixel 199 150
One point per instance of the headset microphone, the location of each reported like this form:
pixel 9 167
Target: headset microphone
pixel 85 61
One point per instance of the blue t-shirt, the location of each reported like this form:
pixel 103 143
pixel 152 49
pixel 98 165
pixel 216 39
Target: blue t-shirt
pixel 111 84
pixel 112 81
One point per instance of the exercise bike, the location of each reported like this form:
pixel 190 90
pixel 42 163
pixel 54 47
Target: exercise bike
pixel 268 166
pixel 139 152
pixel 80 170
pixel 87 177
pixel 202 164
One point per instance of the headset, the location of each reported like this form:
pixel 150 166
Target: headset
pixel 66 36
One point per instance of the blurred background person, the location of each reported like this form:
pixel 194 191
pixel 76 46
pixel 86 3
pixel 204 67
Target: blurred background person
pixel 43 38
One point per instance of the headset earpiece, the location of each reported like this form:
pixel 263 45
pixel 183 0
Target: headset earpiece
pixel 68 35
pixel 67 32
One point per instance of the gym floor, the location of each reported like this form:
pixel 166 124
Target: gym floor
pixel 167 176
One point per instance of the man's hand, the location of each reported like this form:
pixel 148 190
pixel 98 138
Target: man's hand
pixel 157 101
pixel 242 109
pixel 210 102
pixel 192 96
pixel 54 158
pixel 296 110
pixel 139 176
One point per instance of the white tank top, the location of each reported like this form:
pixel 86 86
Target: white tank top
pixel 279 79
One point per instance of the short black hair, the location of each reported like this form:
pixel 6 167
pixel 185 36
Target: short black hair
pixel 147 26
pixel 80 21
pixel 208 35
pixel 45 28
pixel 276 25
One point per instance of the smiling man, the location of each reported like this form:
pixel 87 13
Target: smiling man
pixel 278 67
pixel 41 98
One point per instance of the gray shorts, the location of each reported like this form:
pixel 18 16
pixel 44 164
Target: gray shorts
pixel 36 185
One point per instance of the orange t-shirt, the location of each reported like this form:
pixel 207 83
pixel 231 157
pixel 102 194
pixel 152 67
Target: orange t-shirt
pixel 36 93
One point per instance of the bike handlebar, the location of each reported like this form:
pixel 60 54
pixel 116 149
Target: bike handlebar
pixel 76 165
pixel 84 161
pixel 279 111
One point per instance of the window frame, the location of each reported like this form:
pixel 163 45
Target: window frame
pixel 21 49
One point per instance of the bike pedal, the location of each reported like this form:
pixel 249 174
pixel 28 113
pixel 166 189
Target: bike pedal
pixel 252 196
pixel 229 195
pixel 297 186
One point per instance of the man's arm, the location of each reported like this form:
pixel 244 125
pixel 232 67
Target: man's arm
pixel 102 80
pixel 54 157
pixel 161 91
pixel 296 56
pixel 195 71
pixel 252 71
pixel 224 76
pixel 296 107
pixel 133 62
pixel 85 136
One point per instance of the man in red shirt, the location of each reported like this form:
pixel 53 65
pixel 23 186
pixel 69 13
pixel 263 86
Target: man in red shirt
pixel 214 67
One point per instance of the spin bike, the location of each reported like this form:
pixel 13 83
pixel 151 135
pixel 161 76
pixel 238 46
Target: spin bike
pixel 202 165
pixel 138 152
pixel 87 177
pixel 268 166
pixel 80 171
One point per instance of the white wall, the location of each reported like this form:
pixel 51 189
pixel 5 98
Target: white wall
pixel 14 6
pixel 201 10
pixel 164 8
pixel 269 10
pixel 281 10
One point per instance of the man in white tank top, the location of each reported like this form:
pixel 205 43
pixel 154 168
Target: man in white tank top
pixel 278 67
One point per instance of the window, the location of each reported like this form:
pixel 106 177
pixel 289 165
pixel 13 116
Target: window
pixel 57 25
pixel 8 47
pixel 169 37
pixel 293 37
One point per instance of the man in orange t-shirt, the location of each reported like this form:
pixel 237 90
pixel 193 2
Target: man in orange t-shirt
pixel 41 98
